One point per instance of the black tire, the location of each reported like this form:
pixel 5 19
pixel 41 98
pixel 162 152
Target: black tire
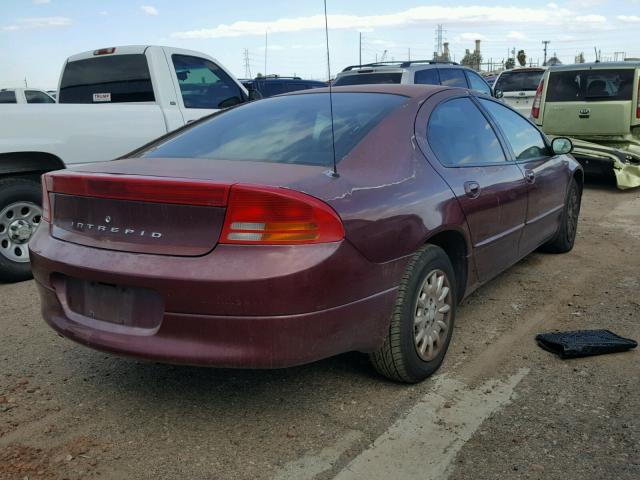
pixel 14 190
pixel 398 359
pixel 564 239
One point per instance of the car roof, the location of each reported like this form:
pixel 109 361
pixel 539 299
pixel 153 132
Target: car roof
pixel 411 91
pixel 595 66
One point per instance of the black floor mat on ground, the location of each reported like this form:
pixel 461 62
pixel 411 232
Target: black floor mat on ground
pixel 581 343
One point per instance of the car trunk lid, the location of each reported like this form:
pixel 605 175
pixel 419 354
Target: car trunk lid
pixel 180 210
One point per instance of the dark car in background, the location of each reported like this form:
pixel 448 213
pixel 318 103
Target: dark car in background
pixel 275 85
pixel 251 239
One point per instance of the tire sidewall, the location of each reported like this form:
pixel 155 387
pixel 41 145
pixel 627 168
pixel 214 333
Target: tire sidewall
pixel 432 258
pixel 11 191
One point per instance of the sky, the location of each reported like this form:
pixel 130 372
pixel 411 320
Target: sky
pixel 36 36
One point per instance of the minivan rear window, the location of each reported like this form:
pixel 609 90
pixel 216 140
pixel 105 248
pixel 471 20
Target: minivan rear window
pixel 114 79
pixel 368 78
pixel 519 81
pixel 288 129
pixel 590 85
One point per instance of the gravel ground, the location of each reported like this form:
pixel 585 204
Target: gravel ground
pixel 67 412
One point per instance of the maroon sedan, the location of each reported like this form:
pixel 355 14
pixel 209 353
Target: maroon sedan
pixel 233 243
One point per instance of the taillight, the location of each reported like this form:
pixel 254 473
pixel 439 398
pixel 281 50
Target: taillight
pixel 638 101
pixel 535 109
pixel 45 180
pixel 139 188
pixel 277 216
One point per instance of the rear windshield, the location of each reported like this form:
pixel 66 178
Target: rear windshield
pixel 368 78
pixel 8 96
pixel 114 79
pixel 590 85
pixel 518 81
pixel 289 129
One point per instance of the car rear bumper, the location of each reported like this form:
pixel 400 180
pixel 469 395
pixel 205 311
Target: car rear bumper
pixel 223 309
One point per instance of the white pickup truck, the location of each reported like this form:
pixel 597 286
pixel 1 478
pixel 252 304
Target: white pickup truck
pixel 110 102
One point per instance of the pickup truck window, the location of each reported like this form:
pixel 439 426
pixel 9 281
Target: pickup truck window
pixel 34 96
pixel 107 79
pixel 8 96
pixel 203 84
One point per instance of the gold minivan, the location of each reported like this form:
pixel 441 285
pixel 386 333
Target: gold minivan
pixel 598 106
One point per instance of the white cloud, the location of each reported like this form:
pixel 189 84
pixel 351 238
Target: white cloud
pixel 628 18
pixel 41 2
pixel 470 37
pixel 38 22
pixel 104 13
pixel 418 16
pixel 514 35
pixel 149 10
pixel 591 19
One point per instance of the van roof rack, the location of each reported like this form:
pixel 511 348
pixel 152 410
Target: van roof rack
pixel 273 75
pixel 399 63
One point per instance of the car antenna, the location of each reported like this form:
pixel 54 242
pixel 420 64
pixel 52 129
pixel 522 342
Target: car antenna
pixel 333 173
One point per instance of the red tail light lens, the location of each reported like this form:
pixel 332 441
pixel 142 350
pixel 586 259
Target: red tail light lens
pixel 535 109
pixel 139 188
pixel 638 104
pixel 276 216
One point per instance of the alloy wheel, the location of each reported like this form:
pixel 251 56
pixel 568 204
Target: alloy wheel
pixel 431 320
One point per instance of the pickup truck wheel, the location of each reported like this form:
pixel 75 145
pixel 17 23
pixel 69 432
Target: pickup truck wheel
pixel 20 215
pixel 422 320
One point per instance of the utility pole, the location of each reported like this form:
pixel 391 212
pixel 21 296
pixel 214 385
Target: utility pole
pixel 438 44
pixel 247 64
pixel 545 42
pixel 265 52
pixel 409 53
pixel 360 49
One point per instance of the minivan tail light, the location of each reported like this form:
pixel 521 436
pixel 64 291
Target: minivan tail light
pixel 638 101
pixel 535 108
pixel 277 216
pixel 138 188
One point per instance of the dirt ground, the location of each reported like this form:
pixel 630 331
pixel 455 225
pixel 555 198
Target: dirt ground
pixel 499 408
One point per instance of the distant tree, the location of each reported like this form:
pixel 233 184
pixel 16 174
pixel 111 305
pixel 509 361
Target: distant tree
pixel 522 58
pixel 258 75
pixel 509 64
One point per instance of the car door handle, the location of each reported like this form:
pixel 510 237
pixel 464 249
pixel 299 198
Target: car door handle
pixel 530 176
pixel 472 189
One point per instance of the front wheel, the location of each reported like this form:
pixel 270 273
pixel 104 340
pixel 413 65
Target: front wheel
pixel 422 321
pixel 20 215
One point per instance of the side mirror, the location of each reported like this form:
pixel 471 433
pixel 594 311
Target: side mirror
pixel 254 94
pixel 561 146
pixel 498 94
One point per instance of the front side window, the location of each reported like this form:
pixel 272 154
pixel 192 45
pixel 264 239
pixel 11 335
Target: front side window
pixel 113 79
pixel 368 78
pixel 8 96
pixel 477 83
pixel 203 84
pixel 428 76
pixel 34 96
pixel 452 77
pixel 525 140
pixel 460 135
pixel 590 85
pixel 288 129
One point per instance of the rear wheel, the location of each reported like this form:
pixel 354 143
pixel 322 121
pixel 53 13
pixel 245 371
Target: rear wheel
pixel 566 235
pixel 20 215
pixel 422 321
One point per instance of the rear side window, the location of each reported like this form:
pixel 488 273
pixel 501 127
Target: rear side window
pixel 525 140
pixel 269 89
pixel 518 81
pixel 8 97
pixel 427 76
pixel 113 79
pixel 34 96
pixel 590 85
pixel 477 83
pixel 289 129
pixel 203 84
pixel 452 77
pixel 368 78
pixel 460 135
